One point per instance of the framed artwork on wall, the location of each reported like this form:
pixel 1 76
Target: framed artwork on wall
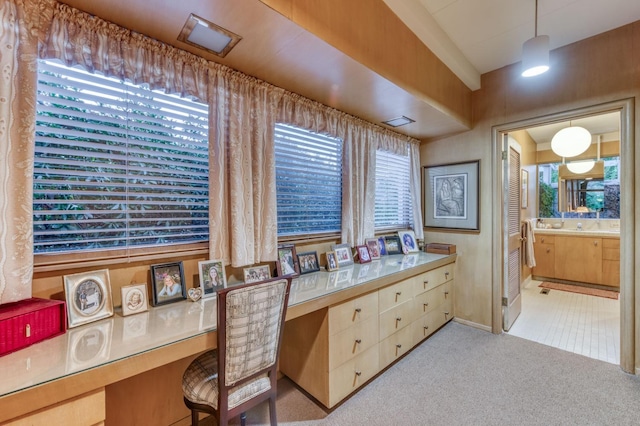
pixel 451 196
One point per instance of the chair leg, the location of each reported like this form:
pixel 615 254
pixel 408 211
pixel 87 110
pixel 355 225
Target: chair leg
pixel 243 419
pixel 194 418
pixel 272 410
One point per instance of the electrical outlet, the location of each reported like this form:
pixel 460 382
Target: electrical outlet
pixel 615 224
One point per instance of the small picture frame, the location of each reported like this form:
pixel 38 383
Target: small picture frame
pixel 212 277
pixel 374 248
pixel 134 299
pixel 287 263
pixel 332 261
pixel 255 274
pixel 167 283
pixel 88 297
pixel 343 254
pixel 408 241
pixel 383 246
pixel 363 254
pixel 308 262
pixel 393 245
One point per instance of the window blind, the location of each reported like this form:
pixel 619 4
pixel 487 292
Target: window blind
pixel 308 181
pixel 116 165
pixel 393 195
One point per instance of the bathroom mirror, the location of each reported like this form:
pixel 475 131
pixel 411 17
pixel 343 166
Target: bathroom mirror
pixel 581 195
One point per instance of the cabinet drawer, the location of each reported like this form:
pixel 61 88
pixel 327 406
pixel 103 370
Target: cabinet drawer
pixel 395 346
pixel 429 323
pixel 395 294
pixel 545 239
pixel 610 249
pixel 352 342
pixel 430 300
pixel 433 278
pixel 346 314
pixel 395 319
pixel 352 374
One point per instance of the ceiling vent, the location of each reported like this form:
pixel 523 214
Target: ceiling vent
pixel 206 35
pixel 400 121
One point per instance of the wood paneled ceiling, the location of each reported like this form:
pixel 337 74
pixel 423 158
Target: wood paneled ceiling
pixel 385 73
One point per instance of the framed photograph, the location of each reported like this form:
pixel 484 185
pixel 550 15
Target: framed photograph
pixel 212 277
pixel 451 196
pixel 408 241
pixel 393 245
pixel 88 296
pixel 383 246
pixel 308 262
pixel 256 274
pixel 167 283
pixel 287 263
pixel 332 261
pixel 343 254
pixel 374 248
pixel 134 299
pixel 363 254
pixel 524 183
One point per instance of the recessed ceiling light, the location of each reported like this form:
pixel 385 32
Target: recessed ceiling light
pixel 208 36
pixel 400 121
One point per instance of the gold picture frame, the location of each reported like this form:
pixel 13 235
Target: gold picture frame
pixel 88 297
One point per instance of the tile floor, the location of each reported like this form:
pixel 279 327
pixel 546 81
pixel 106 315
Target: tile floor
pixel 586 325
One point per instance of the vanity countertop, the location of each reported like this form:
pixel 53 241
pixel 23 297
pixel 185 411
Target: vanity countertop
pixel 606 233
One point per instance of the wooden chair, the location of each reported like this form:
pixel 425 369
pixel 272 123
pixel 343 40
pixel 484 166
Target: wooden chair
pixel 250 322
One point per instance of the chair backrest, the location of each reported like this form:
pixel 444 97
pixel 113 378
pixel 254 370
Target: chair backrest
pixel 250 322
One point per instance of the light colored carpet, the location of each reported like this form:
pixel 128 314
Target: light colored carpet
pixel 610 294
pixel 465 376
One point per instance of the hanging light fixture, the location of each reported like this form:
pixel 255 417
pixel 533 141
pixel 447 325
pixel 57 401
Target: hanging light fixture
pixel 580 167
pixel 535 52
pixel 571 141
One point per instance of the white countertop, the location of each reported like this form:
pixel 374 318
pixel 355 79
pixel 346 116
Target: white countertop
pixel 613 233
pixel 116 338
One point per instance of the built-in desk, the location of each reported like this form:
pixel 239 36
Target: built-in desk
pixel 120 366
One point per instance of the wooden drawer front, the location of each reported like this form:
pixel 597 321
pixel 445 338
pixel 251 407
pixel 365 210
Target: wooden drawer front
pixel 352 374
pixel 432 279
pixel 428 324
pixel 395 346
pixel 395 319
pixel 546 239
pixel 430 300
pixel 395 295
pixel 346 314
pixel 352 342
pixel 610 249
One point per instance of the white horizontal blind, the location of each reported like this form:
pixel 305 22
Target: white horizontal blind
pixel 308 181
pixel 116 165
pixel 393 193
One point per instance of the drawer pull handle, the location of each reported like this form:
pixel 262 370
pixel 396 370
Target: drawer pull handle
pixel 595 243
pixel 358 310
pixel 358 341
pixel 398 293
pixel 398 346
pixel 399 319
pixel 446 274
pixel 542 240
pixel 548 250
pixel 426 327
pixel 358 373
pixel 425 304
pixel 446 313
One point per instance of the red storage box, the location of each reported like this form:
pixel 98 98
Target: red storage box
pixel 30 321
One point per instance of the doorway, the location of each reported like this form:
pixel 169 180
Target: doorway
pixel 500 271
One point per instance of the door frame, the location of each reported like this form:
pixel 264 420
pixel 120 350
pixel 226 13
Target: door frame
pixel 628 231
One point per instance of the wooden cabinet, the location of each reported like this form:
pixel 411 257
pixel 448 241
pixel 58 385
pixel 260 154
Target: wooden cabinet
pixel 331 352
pixel 544 251
pixel 584 259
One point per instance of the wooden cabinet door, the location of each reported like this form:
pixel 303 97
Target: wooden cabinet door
pixel 544 251
pixel 579 259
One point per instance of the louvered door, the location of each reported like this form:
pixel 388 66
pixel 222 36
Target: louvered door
pixel 511 300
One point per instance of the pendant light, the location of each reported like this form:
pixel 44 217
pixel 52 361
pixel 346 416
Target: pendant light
pixel 579 167
pixel 571 141
pixel 535 53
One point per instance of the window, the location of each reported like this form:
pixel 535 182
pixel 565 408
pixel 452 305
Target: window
pixel 600 196
pixel 308 182
pixel 116 165
pixel 394 208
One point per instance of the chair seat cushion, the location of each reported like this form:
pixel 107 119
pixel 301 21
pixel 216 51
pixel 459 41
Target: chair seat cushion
pixel 200 383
